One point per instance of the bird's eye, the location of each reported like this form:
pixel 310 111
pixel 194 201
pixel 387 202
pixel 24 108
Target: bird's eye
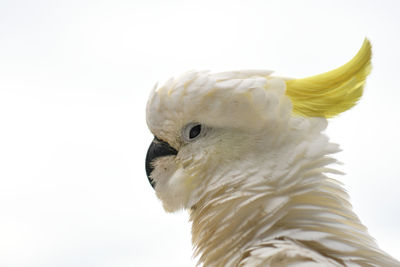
pixel 195 131
pixel 192 131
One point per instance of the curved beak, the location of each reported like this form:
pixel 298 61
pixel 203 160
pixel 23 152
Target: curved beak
pixel 157 149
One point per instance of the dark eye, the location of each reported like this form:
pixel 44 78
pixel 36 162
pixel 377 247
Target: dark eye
pixel 195 131
pixel 192 131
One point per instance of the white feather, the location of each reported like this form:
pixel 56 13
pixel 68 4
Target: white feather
pixel 256 183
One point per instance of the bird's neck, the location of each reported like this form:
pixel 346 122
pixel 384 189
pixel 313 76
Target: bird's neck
pixel 313 210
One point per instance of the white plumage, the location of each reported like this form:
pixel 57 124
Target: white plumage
pixel 254 179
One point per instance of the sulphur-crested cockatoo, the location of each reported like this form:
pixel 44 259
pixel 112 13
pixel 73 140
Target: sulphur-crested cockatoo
pixel 244 152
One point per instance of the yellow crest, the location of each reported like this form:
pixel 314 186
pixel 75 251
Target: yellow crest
pixel 328 94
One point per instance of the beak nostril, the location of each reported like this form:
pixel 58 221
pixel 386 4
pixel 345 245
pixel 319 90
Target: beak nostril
pixel 157 149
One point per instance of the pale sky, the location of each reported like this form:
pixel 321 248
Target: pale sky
pixel 74 81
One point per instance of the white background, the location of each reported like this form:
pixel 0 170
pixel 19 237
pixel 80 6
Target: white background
pixel 74 81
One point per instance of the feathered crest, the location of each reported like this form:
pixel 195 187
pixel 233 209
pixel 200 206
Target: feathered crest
pixel 329 94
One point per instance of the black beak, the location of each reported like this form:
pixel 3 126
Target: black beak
pixel 158 148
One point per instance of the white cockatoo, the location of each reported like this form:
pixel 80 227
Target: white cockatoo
pixel 244 152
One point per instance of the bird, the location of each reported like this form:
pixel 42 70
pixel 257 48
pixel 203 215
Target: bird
pixel 245 153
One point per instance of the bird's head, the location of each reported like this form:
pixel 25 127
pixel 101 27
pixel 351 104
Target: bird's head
pixel 209 128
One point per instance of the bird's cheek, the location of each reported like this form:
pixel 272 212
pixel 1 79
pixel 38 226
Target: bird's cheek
pixel 164 167
pixel 171 187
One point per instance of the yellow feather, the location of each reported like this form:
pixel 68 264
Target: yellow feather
pixel 328 94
